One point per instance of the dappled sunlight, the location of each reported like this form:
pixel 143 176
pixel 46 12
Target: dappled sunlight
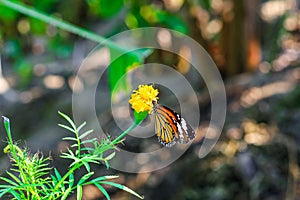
pixel 185 56
pixel 54 81
pixel 173 5
pixel 30 95
pixel 234 133
pixel 164 38
pixel 255 94
pixel 271 10
pixel 76 84
pixel 213 27
pixel 292 22
pixel 4 86
pixel 258 133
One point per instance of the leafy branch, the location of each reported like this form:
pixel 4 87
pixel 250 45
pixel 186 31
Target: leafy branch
pixel 31 177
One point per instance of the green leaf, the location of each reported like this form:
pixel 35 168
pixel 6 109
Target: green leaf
pixel 71 180
pixel 66 194
pixel 57 174
pixel 67 128
pixel 8 15
pixel 102 178
pixel 120 65
pixel 15 194
pixel 24 68
pixel 173 22
pixel 89 141
pixel 84 178
pixel 139 117
pixel 15 178
pixel 83 135
pixel 156 16
pixel 37 26
pixel 69 138
pixel 8 181
pixel 4 191
pixel 87 166
pixel 102 190
pixel 79 192
pixel 122 187
pixel 105 8
pixel 110 156
pixel 81 126
pixel 66 117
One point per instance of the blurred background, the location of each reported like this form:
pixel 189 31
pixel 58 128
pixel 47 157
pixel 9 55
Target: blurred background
pixel 256 47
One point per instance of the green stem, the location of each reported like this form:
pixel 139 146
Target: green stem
pixel 115 141
pixel 13 149
pixel 60 23
pixel 8 132
pixel 67 175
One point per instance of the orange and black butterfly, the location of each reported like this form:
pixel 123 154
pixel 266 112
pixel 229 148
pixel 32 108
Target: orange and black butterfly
pixel 170 127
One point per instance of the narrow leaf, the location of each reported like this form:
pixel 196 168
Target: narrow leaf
pixel 79 192
pixel 81 126
pixel 66 193
pixel 102 190
pixel 16 194
pixel 88 141
pixel 15 178
pixel 108 177
pixel 67 128
pixel 71 180
pixel 85 177
pixel 122 187
pixel 8 181
pixel 68 119
pixel 87 166
pixel 70 138
pixel 110 156
pixel 85 134
pixel 57 174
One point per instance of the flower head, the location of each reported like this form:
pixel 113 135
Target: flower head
pixel 142 98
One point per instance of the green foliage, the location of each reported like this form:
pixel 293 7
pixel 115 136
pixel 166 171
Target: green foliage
pixel 122 63
pixel 30 176
pixel 105 8
pixel 150 15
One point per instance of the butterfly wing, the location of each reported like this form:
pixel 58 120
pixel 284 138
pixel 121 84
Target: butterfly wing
pixel 170 127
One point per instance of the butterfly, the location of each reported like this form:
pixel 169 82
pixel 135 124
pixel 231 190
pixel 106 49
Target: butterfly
pixel 170 127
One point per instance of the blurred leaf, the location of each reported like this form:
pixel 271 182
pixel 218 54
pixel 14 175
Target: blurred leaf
pixel 60 47
pixel 8 15
pixel 157 16
pixel 134 19
pixel 172 22
pixel 121 64
pixel 24 70
pixel 37 26
pixel 105 8
pixel 45 5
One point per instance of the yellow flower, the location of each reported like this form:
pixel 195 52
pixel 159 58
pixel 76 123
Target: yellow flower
pixel 142 98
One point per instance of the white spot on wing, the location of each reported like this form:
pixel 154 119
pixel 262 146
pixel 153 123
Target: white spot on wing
pixel 183 124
